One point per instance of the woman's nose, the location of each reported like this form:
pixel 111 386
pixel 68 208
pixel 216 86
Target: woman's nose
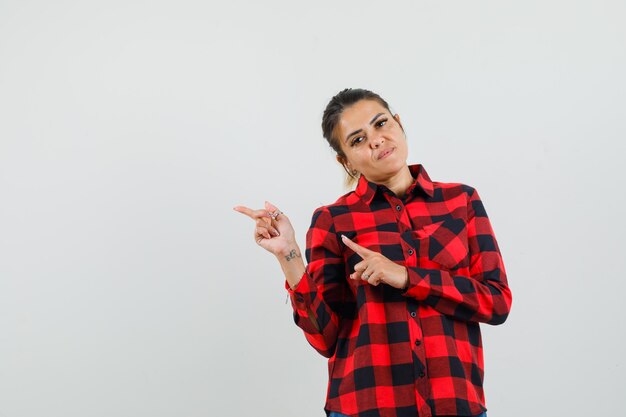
pixel 377 141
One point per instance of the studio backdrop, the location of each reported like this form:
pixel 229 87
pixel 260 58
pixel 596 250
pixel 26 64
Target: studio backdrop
pixel 130 129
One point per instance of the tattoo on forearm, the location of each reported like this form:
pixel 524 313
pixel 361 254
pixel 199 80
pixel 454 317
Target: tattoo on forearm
pixel 292 255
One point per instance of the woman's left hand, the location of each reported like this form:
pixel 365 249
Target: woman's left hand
pixel 376 268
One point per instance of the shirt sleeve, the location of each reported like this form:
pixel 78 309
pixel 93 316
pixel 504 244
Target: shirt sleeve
pixel 322 298
pixel 484 295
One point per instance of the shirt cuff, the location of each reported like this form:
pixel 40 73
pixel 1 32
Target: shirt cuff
pixel 303 287
pixel 419 286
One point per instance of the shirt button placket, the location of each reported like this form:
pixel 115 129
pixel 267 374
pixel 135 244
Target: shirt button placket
pixel 416 337
pixel 422 383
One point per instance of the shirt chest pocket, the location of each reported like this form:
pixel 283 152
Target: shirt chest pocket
pixel 444 243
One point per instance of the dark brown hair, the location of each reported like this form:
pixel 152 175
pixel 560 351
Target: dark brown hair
pixel 344 99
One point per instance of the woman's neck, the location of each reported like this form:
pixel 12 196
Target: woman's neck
pixel 400 182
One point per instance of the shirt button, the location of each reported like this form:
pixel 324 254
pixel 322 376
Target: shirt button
pixel 398 207
pixel 418 342
pixel 422 374
pixel 410 251
pixel 413 314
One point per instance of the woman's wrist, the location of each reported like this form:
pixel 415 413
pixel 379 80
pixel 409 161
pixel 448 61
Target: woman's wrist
pixel 406 279
pixel 292 264
pixel 288 253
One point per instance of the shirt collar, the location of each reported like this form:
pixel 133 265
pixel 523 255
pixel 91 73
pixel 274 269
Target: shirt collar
pixel 366 189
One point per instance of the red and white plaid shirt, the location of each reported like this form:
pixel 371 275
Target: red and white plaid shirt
pixel 395 353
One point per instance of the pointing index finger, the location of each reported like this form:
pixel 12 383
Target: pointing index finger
pixel 360 250
pixel 253 214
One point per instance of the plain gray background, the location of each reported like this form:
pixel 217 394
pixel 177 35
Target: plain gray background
pixel 129 130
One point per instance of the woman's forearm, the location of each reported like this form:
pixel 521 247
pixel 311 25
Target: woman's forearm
pixel 292 263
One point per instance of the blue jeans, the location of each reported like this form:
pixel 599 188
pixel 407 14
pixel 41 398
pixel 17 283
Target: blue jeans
pixel 335 414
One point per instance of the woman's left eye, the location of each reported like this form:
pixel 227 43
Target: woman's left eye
pixel 381 122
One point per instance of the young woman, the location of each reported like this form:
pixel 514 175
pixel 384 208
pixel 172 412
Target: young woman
pixel 399 274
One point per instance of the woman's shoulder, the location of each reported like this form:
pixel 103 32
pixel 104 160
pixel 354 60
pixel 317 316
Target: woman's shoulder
pixel 449 190
pixel 342 204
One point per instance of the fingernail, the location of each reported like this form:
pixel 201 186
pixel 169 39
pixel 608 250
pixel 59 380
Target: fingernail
pixel 343 237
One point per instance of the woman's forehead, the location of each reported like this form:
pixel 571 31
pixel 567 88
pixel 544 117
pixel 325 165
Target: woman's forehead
pixel 361 114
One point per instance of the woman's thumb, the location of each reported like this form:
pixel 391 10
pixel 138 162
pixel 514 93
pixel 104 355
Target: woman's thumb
pixel 270 207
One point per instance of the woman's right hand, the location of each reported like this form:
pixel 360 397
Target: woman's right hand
pixel 274 234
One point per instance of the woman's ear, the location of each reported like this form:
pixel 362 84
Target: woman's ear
pixel 343 161
pixel 397 118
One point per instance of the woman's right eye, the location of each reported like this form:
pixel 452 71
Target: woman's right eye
pixel 356 140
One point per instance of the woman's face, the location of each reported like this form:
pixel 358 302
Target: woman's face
pixel 372 140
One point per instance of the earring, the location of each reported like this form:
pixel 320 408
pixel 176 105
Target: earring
pixel 352 173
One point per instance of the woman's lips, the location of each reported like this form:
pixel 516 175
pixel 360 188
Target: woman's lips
pixel 386 153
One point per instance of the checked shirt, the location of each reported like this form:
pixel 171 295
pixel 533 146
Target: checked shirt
pixel 413 352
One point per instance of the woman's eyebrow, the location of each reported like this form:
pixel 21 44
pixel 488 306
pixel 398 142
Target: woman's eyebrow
pixel 360 130
pixel 376 117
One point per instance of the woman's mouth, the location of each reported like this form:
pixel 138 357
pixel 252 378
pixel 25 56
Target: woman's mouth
pixel 386 153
